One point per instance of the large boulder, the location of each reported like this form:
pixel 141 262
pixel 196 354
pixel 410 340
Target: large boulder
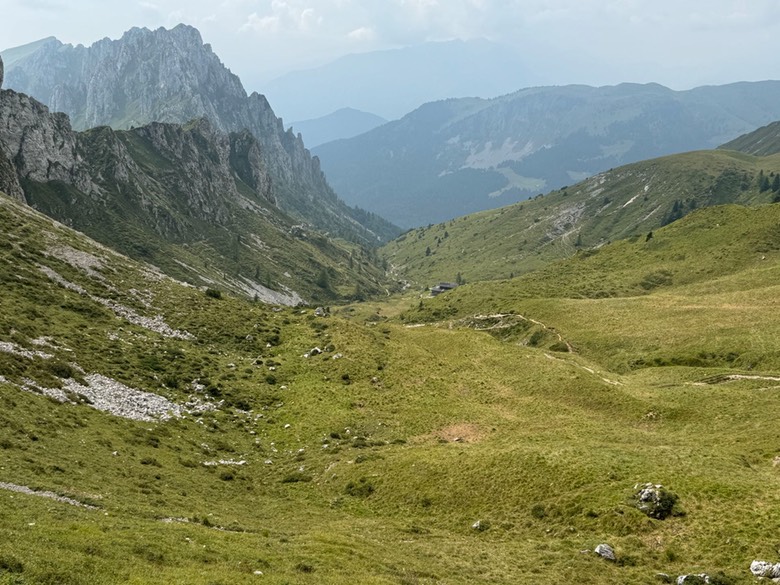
pixel 655 500
pixel 765 569
pixel 605 552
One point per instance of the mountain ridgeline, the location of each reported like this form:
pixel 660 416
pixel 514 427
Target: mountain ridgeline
pixel 762 142
pixel 171 76
pixel 393 82
pixel 629 201
pixel 343 123
pixel 196 202
pixel 459 156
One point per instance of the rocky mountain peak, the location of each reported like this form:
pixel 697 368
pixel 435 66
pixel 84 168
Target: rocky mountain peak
pixel 172 76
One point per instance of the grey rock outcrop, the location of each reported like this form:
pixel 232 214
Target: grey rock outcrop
pixel 605 552
pixel 41 147
pixel 655 500
pixel 172 76
pixel 1 73
pixel 765 569
pixel 36 145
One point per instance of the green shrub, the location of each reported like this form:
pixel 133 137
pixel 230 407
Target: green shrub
pixel 296 477
pixel 60 369
pixel 360 489
pixel 559 346
pixel 10 564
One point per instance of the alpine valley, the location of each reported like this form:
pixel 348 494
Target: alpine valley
pixel 210 374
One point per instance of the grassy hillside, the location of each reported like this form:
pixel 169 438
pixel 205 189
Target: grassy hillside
pixel 626 202
pixel 693 294
pixel 763 142
pixel 372 461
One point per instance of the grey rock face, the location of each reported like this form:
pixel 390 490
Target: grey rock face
pixel 38 146
pixel 171 76
pixel 1 73
pixel 176 177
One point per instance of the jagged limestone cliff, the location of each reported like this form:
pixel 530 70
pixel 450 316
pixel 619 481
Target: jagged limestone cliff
pixel 190 199
pixel 172 76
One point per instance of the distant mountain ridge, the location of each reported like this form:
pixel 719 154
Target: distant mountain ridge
pixel 171 76
pixel 459 156
pixel 393 82
pixel 343 123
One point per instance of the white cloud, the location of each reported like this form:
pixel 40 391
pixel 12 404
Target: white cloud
pixel 308 20
pixel 678 42
pixel 149 6
pixel 261 23
pixel 362 34
pixel 175 17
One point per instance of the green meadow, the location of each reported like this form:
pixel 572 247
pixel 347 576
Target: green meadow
pixel 528 408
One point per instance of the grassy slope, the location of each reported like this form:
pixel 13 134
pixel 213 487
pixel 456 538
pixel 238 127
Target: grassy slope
pixel 628 201
pixel 693 294
pixel 762 142
pixel 552 442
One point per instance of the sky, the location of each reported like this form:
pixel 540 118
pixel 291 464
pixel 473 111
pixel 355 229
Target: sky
pixel 678 43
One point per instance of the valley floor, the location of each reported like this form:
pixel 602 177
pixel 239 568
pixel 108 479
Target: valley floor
pixel 499 440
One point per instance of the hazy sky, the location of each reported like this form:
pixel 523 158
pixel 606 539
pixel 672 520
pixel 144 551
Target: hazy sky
pixel 679 43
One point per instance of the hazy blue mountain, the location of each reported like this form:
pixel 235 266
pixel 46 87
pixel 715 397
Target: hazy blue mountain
pixel 393 82
pixel 458 156
pixel 11 56
pixel 343 123
pixel 172 76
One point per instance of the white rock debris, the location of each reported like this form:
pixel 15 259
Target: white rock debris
pixel 55 393
pixel 224 462
pixel 156 324
pixel 21 489
pixel 8 347
pixel 55 276
pixel 765 569
pixel 111 396
pixel 85 261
